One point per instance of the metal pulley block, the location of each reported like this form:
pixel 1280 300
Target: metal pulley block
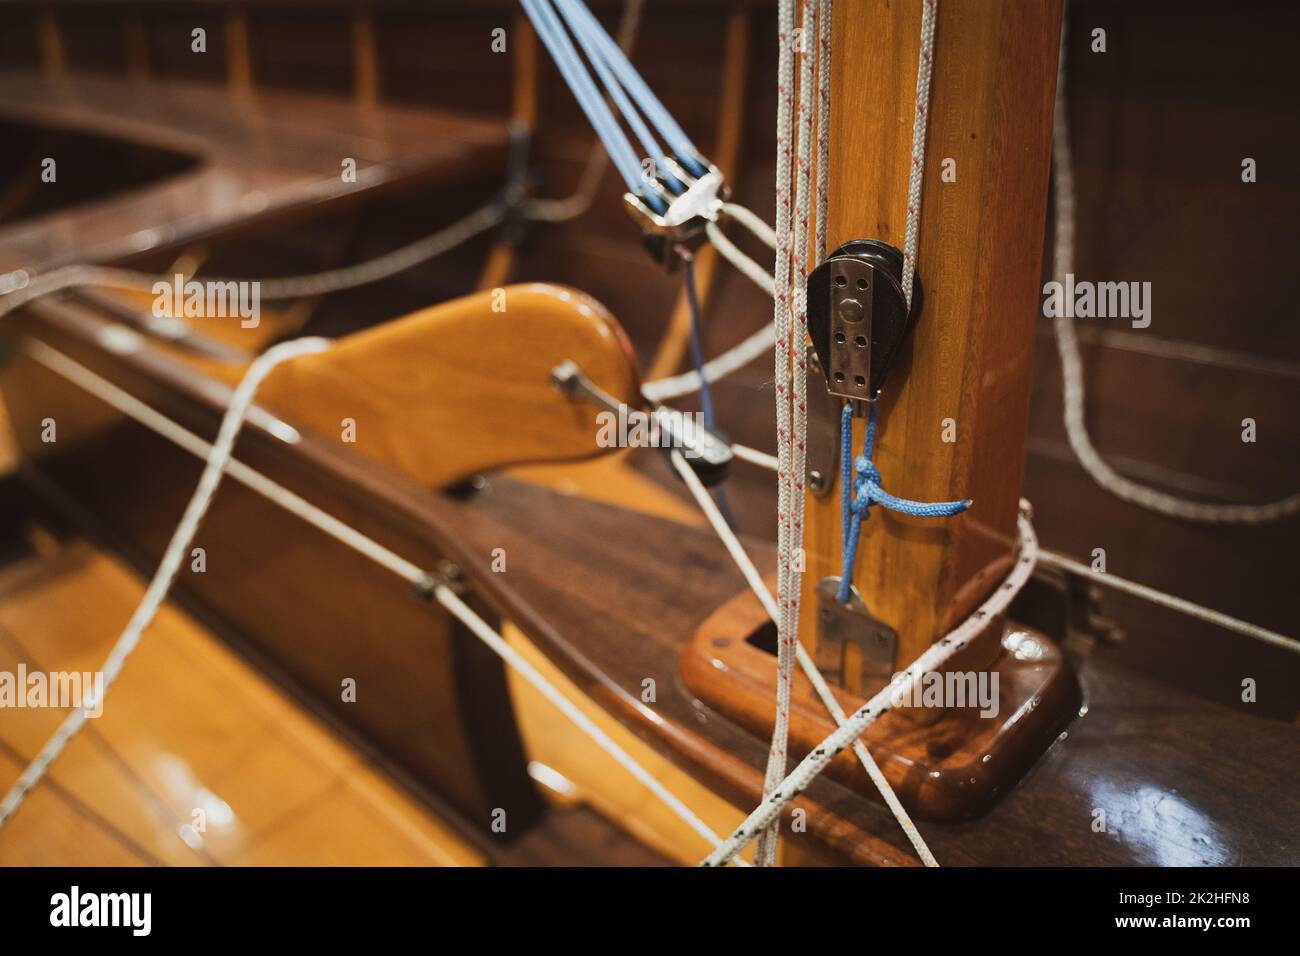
pixel 858 317
pixel 684 220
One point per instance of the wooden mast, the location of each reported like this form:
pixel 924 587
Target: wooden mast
pixel 967 369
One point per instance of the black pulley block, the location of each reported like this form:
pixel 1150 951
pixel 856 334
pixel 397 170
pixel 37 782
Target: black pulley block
pixel 858 317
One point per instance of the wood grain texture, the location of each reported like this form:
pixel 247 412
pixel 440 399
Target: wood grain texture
pixel 951 768
pixel 190 727
pixel 258 159
pixel 553 740
pixel 980 248
pixel 613 598
pixel 440 395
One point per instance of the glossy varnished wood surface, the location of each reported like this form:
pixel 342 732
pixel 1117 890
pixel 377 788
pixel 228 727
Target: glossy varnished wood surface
pixel 257 157
pixel 436 705
pixel 1208 762
pixel 438 394
pixel 613 597
pixel 193 726
pixel 190 727
pixel 953 767
pixel 978 261
pixel 1171 769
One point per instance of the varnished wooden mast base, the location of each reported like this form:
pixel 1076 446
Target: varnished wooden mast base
pixel 950 769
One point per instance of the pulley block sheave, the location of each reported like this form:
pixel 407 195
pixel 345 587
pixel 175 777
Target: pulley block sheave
pixel 858 316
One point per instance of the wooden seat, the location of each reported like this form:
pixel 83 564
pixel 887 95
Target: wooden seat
pixel 257 157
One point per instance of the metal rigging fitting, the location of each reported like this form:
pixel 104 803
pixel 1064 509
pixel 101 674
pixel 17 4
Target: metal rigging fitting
pixel 858 317
pixel 706 450
pixel 684 221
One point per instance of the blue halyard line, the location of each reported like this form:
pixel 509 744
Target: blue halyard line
pixel 697 349
pixel 697 359
pixel 582 29
pixel 857 497
pixel 552 33
pixel 663 121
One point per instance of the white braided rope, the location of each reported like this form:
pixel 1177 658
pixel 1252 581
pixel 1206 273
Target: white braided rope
pixel 488 635
pixel 1067 344
pixel 740 355
pixel 755 457
pixel 167 567
pixel 920 120
pixel 751 221
pixel 340 531
pixel 897 689
pixel 785 145
pixel 806 664
pixel 18 288
pixel 824 17
pixel 789 583
pixel 387 265
pixel 760 276
pixel 1183 606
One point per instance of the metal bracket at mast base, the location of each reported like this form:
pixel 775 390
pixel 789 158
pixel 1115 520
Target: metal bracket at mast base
pixel 867 645
pixel 686 217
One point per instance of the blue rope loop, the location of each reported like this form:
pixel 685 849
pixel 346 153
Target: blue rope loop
pixel 858 495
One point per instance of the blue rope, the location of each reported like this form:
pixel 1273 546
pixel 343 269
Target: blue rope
pixel 697 349
pixel 588 34
pixel 566 58
pixel 582 19
pixel 697 359
pixel 857 497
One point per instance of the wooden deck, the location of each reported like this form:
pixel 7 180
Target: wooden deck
pixel 190 727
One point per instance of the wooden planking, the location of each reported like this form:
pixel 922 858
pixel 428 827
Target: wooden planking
pixel 189 725
pixel 615 598
pixel 56 827
pixel 978 262
pixel 1160 124
pixel 553 740
pixel 282 153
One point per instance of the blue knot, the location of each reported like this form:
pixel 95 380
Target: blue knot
pixel 866 491
pixel 868 473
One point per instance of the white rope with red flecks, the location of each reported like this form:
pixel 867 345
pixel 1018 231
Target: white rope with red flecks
pixel 886 700
pixel 792 244
pixel 794 144
pixel 920 121
pixel 766 854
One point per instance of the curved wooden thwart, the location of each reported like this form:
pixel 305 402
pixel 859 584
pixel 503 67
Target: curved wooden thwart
pixel 463 387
